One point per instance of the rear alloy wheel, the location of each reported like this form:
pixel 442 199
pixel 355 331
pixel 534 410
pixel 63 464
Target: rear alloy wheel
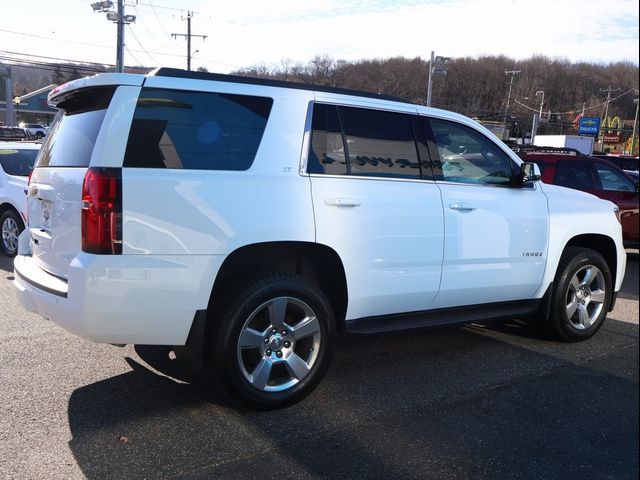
pixel 582 295
pixel 282 332
pixel 275 341
pixel 10 227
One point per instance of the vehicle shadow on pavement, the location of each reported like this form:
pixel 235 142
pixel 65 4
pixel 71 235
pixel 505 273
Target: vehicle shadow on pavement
pixel 6 265
pixel 468 402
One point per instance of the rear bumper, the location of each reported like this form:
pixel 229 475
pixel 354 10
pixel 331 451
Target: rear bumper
pixel 139 299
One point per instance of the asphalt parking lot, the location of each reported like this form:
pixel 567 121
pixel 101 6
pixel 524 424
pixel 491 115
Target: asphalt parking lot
pixel 498 401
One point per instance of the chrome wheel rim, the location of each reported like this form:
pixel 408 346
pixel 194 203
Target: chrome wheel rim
pixel 279 344
pixel 10 234
pixel 585 297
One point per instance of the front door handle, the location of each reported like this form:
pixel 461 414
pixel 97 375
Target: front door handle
pixel 342 202
pixel 463 207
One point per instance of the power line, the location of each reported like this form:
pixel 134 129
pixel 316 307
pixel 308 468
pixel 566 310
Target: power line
pixel 141 46
pixel 144 24
pixel 70 66
pixel 592 107
pixel 52 58
pixel 175 9
pixel 204 60
pixel 132 55
pixel 33 35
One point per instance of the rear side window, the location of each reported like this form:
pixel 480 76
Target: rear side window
pixel 196 130
pixel 73 132
pixel 327 153
pixel 17 162
pixel 378 143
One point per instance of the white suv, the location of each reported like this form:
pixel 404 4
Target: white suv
pixel 16 163
pixel 252 221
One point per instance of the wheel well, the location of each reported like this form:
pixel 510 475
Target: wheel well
pixel 5 207
pixel 602 244
pixel 317 262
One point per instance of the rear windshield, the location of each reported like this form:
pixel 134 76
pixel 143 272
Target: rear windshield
pixel 196 130
pixel 74 131
pixel 17 162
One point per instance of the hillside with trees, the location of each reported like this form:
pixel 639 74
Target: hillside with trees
pixel 473 86
pixel 478 86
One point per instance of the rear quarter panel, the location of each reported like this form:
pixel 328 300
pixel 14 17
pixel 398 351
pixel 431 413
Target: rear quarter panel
pixel 209 212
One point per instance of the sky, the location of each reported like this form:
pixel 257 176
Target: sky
pixel 244 33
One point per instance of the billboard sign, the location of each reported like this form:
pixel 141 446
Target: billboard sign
pixel 589 126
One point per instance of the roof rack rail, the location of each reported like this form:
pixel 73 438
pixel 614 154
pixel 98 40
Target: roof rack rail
pixel 219 77
pixel 541 149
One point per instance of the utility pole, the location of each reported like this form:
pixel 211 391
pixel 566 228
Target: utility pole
pixel 120 39
pixel 513 73
pixel 188 36
pixel 609 90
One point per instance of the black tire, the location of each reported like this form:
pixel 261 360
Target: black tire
pixel 252 308
pixel 9 222
pixel 574 262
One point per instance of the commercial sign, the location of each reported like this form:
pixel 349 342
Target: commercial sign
pixel 589 126
pixel 611 138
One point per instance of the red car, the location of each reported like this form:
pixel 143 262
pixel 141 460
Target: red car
pixel 593 175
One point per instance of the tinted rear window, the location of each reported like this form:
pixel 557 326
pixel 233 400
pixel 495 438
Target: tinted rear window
pixel 196 130
pixel 17 162
pixel 73 132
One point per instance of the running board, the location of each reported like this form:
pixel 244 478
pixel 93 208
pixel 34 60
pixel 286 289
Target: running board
pixel 443 316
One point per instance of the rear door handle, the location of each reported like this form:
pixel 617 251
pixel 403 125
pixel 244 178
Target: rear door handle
pixel 464 207
pixel 342 202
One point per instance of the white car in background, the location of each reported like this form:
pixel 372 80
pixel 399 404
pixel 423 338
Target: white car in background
pixel 35 129
pixel 16 162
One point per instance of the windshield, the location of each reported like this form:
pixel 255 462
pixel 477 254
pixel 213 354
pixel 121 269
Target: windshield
pixel 17 162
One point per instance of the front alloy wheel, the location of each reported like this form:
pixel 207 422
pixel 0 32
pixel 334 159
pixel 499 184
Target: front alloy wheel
pixel 585 297
pixel 582 294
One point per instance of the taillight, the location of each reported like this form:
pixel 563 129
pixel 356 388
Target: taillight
pixel 102 211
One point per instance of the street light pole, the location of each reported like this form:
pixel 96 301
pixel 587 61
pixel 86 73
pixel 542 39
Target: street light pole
pixel 429 84
pixel 118 17
pixel 436 65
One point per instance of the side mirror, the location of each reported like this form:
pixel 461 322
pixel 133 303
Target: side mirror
pixel 529 172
